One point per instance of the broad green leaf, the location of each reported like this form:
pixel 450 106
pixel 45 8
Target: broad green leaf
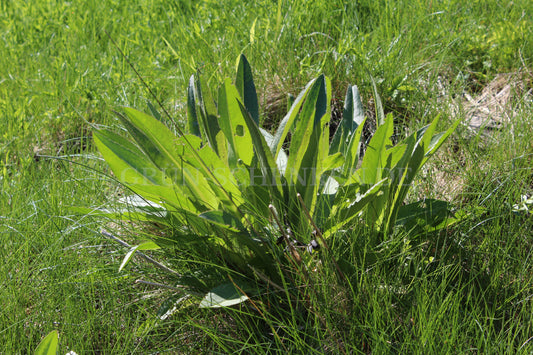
pixel 128 163
pixel 309 147
pixel 304 152
pixel 416 159
pixel 138 203
pixel 154 138
pixel 375 156
pixel 426 145
pixel 424 216
pixel 352 151
pixel 309 117
pixel 224 219
pixel 438 139
pixel 267 163
pixel 221 179
pixel 49 345
pixel 238 234
pixel 233 125
pixel 225 295
pixel 148 245
pixel 323 118
pixel 121 214
pixel 207 173
pixel 132 207
pixel 397 168
pixel 397 161
pixel 205 111
pixel 246 87
pixel 139 173
pixel 223 147
pixel 329 185
pixel 347 208
pixel 160 145
pixel 256 194
pixel 173 155
pixel 174 198
pixel 333 161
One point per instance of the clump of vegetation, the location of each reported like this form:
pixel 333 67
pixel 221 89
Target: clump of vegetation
pixel 259 210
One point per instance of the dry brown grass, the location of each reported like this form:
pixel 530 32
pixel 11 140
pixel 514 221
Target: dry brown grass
pixel 493 109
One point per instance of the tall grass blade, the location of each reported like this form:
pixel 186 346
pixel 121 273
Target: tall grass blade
pixel 380 114
pixel 192 117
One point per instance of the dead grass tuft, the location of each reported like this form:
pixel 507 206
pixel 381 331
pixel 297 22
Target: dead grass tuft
pixel 496 107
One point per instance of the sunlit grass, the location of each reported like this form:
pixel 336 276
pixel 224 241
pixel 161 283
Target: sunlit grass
pixel 467 289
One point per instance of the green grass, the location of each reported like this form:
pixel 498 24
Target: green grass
pixel 467 289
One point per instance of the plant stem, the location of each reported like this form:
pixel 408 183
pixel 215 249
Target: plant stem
pixel 319 234
pixel 138 253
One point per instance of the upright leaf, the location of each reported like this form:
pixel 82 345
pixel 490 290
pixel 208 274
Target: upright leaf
pixel 246 87
pixel 282 157
pixel 206 112
pixel 352 117
pixel 375 156
pixel 286 123
pixel 267 164
pixel 374 167
pixel 309 148
pixel 224 219
pixel 233 125
pixel 153 137
pixel 438 139
pixel 128 162
pixel 352 151
pixel 307 127
pixel 427 144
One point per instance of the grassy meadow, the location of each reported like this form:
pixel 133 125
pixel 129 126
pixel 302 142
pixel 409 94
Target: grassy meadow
pixel 465 289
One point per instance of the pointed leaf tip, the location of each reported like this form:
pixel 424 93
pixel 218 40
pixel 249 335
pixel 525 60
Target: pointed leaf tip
pixel 246 88
pixel 224 295
pixel 49 345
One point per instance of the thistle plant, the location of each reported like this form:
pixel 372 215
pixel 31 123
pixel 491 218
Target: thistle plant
pixel 231 191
